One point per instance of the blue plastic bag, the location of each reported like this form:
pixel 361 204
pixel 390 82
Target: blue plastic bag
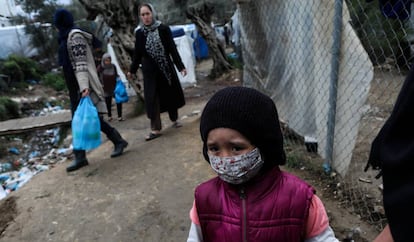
pixel 86 128
pixel 121 95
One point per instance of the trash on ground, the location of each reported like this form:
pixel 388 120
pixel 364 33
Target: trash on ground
pixel 28 158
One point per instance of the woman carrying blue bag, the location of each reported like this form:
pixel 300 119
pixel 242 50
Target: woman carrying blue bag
pixel 86 126
pixel 79 69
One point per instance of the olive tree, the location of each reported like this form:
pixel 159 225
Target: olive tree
pixel 39 29
pixel 201 16
pixel 122 17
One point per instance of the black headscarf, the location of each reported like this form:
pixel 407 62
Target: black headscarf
pixel 392 151
pixel 63 20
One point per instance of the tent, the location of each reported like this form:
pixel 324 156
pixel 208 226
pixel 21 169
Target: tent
pixel 184 47
pixel 15 41
pixel 199 45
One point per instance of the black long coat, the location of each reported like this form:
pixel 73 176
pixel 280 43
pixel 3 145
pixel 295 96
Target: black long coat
pixel 393 151
pixel 171 97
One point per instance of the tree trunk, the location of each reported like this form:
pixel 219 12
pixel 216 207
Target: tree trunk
pixel 201 17
pixel 119 15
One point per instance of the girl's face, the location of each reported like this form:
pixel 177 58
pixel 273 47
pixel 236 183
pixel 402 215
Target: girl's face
pixel 146 15
pixel 225 142
pixel 107 61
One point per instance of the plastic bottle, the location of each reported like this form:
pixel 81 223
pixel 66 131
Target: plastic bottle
pixel 5 167
pixel 14 150
pixel 3 193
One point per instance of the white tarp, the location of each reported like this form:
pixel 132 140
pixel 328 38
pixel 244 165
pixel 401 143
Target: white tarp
pixel 8 8
pixel 13 40
pixel 185 49
pixel 287 50
pixel 121 74
pixel 189 29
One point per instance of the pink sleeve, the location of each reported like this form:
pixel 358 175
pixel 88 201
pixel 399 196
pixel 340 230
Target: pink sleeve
pixel 317 220
pixel 194 215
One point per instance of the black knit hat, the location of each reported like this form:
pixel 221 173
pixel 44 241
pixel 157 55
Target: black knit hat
pixel 251 113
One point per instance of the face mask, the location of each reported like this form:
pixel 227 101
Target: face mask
pixel 237 169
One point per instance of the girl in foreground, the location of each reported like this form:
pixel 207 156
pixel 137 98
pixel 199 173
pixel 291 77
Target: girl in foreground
pixel 251 199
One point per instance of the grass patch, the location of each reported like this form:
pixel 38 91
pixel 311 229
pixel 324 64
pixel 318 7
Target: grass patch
pixel 236 63
pixel 8 109
pixel 55 81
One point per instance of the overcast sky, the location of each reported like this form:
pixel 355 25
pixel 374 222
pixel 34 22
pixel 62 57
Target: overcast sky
pixel 66 2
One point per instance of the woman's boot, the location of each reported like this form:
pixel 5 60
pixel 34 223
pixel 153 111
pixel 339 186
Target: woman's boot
pixel 80 161
pixel 119 143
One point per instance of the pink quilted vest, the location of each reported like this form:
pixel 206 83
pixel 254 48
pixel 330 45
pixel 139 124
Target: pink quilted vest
pixel 274 208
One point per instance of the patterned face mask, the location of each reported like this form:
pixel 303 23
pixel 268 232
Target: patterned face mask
pixel 237 169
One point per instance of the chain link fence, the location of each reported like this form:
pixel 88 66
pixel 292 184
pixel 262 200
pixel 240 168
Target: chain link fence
pixel 334 69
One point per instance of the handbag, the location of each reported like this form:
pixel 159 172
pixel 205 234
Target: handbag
pixel 121 95
pixel 86 128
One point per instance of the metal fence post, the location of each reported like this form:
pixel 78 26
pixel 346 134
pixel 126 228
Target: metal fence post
pixel 333 87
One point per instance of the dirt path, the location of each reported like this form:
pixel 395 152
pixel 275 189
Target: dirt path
pixel 143 195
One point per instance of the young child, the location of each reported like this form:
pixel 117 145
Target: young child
pixel 107 75
pixel 251 199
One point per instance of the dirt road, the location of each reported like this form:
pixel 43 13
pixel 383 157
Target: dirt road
pixel 143 195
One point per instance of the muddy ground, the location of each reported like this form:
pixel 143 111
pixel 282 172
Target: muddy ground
pixel 143 195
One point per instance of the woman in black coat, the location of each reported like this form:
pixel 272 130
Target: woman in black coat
pixel 392 152
pixel 154 48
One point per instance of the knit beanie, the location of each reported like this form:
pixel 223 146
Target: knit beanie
pixel 251 113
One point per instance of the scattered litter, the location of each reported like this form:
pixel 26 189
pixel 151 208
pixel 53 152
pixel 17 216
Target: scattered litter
pixel 11 178
pixel 40 168
pixel 233 55
pixel 311 144
pixel 4 167
pixel 14 150
pixel 194 113
pixel 327 168
pixel 63 151
pixel 3 193
pixel 35 155
pixel 366 180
